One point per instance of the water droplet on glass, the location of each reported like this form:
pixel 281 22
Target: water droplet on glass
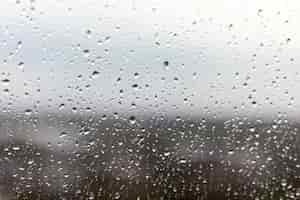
pixel 86 52
pixel 182 161
pixel 132 119
pixel 63 134
pixel 167 153
pixel 30 162
pixel 16 148
pixel 252 129
pixel 136 75
pixel 5 81
pixel 135 86
pixel 230 152
pixel 28 112
pixel 283 182
pixel 74 109
pixel 95 74
pixel 166 63
pixel 21 65
pixel 19 44
pixel 88 32
pixel 61 106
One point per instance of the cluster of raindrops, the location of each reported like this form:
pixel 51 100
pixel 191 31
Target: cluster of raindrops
pixel 93 110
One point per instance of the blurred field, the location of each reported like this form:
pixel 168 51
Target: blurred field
pixel 103 157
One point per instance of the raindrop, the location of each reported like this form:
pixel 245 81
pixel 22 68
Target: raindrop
pixel 185 100
pixel 132 119
pixel 283 182
pixel 5 81
pixel 182 161
pixel 95 74
pixel 19 44
pixel 28 112
pixel 21 65
pixel 104 117
pixel 88 32
pixel 99 42
pixel 30 162
pixel 86 52
pixel 167 153
pixel 61 106
pixel 135 85
pixel 117 195
pixel 230 152
pixel 136 75
pixel 252 130
pixel 16 148
pixel 63 134
pixel 74 109
pixel 107 38
pixel 298 192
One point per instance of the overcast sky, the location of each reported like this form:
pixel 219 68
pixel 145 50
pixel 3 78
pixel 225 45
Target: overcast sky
pixel 180 57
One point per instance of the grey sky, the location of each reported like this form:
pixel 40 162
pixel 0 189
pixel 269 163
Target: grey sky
pixel 211 48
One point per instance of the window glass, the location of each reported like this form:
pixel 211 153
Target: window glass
pixel 149 99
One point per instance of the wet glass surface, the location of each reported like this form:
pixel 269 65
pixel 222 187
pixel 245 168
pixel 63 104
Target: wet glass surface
pixel 149 100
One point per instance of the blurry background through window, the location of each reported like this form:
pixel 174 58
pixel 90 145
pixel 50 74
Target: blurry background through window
pixel 149 99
